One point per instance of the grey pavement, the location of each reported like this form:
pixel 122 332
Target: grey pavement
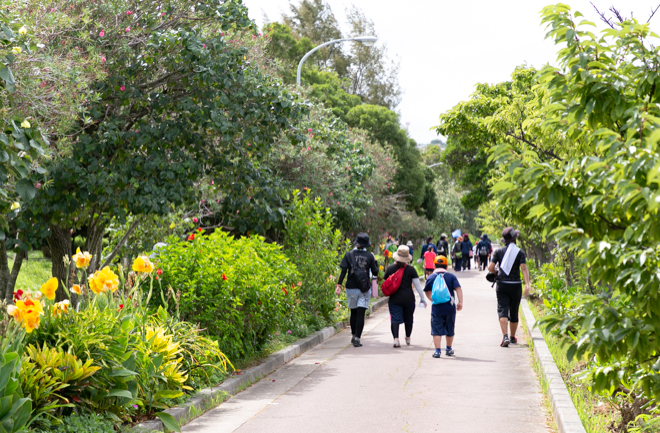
pixel 377 388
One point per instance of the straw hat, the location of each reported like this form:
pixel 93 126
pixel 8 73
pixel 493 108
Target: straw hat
pixel 402 254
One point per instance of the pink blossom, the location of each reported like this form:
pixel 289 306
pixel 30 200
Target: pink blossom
pixel 102 33
pixel 204 45
pixel 128 29
pixel 52 9
pixel 337 202
pixel 310 136
pixel 237 211
pixel 122 88
pixel 308 148
pixel 103 59
pixel 259 34
pixel 248 144
pixel 129 13
pixel 212 182
pixel 330 193
pixel 163 14
pixel 195 220
pixel 38 185
pixel 309 129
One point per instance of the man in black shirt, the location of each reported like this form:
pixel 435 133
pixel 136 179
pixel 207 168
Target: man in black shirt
pixel 357 263
pixel 510 260
pixel 443 246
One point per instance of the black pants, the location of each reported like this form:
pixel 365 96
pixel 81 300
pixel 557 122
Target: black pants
pixel 466 261
pixel 458 264
pixel 508 300
pixel 357 321
pixel 483 262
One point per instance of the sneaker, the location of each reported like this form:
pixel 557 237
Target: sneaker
pixel 408 341
pixel 449 351
pixel 352 339
pixel 505 341
pixel 397 343
pixel 513 340
pixel 436 354
pixel 356 342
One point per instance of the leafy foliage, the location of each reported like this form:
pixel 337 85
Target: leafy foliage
pixel 599 196
pixel 313 245
pixel 240 290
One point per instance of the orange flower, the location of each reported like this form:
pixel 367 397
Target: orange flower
pixel 61 307
pixel 143 264
pixel 103 281
pixel 76 289
pixel 27 312
pixel 49 288
pixel 82 259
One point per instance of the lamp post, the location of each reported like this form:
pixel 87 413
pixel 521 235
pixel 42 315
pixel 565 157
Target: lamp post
pixel 365 40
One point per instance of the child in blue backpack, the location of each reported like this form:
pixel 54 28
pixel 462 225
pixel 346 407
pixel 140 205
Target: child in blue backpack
pixel 443 315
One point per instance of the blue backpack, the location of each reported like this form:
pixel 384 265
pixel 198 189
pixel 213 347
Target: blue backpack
pixel 440 292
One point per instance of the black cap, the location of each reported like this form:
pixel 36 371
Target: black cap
pixel 509 235
pixel 362 240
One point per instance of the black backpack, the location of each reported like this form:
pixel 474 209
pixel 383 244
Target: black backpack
pixel 361 275
pixel 441 249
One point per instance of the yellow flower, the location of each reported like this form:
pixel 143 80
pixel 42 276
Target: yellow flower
pixel 82 259
pixel 103 281
pixel 76 289
pixel 61 307
pixel 25 124
pixel 17 50
pixel 49 288
pixel 172 225
pixel 26 312
pixel 143 264
pixel 22 31
pixel 15 205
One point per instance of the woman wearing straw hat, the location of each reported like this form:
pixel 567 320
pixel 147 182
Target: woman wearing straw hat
pixel 357 263
pixel 402 302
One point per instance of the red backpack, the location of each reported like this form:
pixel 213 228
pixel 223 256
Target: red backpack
pixel 391 285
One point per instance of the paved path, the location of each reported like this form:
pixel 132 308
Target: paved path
pixel 376 388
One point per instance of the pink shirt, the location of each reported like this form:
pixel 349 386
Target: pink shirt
pixel 429 259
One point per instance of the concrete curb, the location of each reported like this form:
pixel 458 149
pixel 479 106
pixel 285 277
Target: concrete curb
pixel 209 398
pixel 563 409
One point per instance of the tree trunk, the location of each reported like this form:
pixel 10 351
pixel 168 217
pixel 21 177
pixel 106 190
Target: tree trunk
pixel 11 283
pixel 94 243
pixel 60 247
pixel 4 273
pixel 120 244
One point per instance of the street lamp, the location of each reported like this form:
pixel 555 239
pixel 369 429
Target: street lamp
pixel 367 41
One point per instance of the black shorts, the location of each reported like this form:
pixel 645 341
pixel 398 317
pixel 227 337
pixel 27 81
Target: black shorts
pixel 401 313
pixel 508 300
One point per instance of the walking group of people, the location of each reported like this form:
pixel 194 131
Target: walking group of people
pixel 441 287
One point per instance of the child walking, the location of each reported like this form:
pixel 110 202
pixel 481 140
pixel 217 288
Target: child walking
pixel 443 316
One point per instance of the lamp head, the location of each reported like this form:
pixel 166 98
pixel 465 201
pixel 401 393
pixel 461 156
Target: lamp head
pixel 367 41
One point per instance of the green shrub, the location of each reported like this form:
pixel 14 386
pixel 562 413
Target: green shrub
pixel 86 423
pixel 313 246
pixel 240 290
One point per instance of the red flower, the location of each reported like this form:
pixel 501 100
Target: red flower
pixel 224 277
pixel 191 237
pixel 159 271
pixel 284 290
pixel 76 399
pixel 121 306
pixel 199 229
pixel 18 294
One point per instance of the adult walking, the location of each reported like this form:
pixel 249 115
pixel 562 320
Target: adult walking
pixel 357 263
pixel 402 302
pixel 443 246
pixel 466 248
pixel 457 254
pixel 409 244
pixel 484 248
pixel 510 260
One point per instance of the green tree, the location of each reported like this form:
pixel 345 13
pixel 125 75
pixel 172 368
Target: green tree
pixel 383 127
pixel 599 195
pixel 179 102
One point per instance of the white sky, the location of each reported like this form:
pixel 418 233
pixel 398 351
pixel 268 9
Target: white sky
pixel 446 47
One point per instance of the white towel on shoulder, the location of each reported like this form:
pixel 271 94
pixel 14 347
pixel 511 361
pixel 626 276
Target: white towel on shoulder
pixel 509 257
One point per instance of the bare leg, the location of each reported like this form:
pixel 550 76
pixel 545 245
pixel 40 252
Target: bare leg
pixel 437 340
pixel 504 322
pixel 514 328
pixel 450 340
